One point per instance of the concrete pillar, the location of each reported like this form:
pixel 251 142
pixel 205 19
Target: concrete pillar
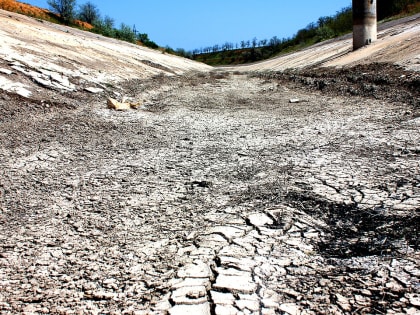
pixel 364 23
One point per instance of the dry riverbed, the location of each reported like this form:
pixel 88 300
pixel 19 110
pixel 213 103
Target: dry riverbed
pixel 218 196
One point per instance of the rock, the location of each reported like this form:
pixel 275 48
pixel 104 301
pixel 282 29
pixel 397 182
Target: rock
pixel 94 90
pixel 260 219
pixel 199 309
pixel 294 100
pixel 57 80
pixel 14 87
pixel 46 78
pixel 114 104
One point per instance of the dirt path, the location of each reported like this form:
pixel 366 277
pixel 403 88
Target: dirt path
pixel 219 196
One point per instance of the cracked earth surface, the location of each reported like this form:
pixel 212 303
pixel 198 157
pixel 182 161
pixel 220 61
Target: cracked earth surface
pixel 219 196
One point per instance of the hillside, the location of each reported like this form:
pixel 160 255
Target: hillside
pixel 398 42
pixel 80 57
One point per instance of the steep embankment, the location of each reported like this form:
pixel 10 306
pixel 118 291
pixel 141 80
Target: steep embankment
pixel 68 58
pixel 398 42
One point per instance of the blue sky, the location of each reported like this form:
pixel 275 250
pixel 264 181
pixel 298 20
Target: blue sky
pixel 194 24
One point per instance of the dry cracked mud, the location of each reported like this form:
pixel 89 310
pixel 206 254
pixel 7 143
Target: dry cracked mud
pixel 218 196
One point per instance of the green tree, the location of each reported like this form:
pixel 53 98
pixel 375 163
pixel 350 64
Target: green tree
pixel 125 33
pixel 65 8
pixel 324 33
pixel 105 26
pixel 89 13
pixel 144 38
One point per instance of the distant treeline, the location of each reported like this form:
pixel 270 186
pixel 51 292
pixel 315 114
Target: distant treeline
pixel 325 28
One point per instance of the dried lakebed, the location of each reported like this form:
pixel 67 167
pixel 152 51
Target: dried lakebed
pixel 218 197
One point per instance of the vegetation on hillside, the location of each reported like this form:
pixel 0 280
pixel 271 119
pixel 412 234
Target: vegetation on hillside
pixel 86 17
pixel 325 28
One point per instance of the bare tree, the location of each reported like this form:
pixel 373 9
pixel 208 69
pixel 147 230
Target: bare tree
pixel 65 8
pixel 89 13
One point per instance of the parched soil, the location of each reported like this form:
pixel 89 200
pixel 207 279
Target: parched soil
pixel 218 196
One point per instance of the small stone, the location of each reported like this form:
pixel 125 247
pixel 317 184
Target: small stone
pixel 94 90
pixel 260 219
pixel 114 104
pixel 294 100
